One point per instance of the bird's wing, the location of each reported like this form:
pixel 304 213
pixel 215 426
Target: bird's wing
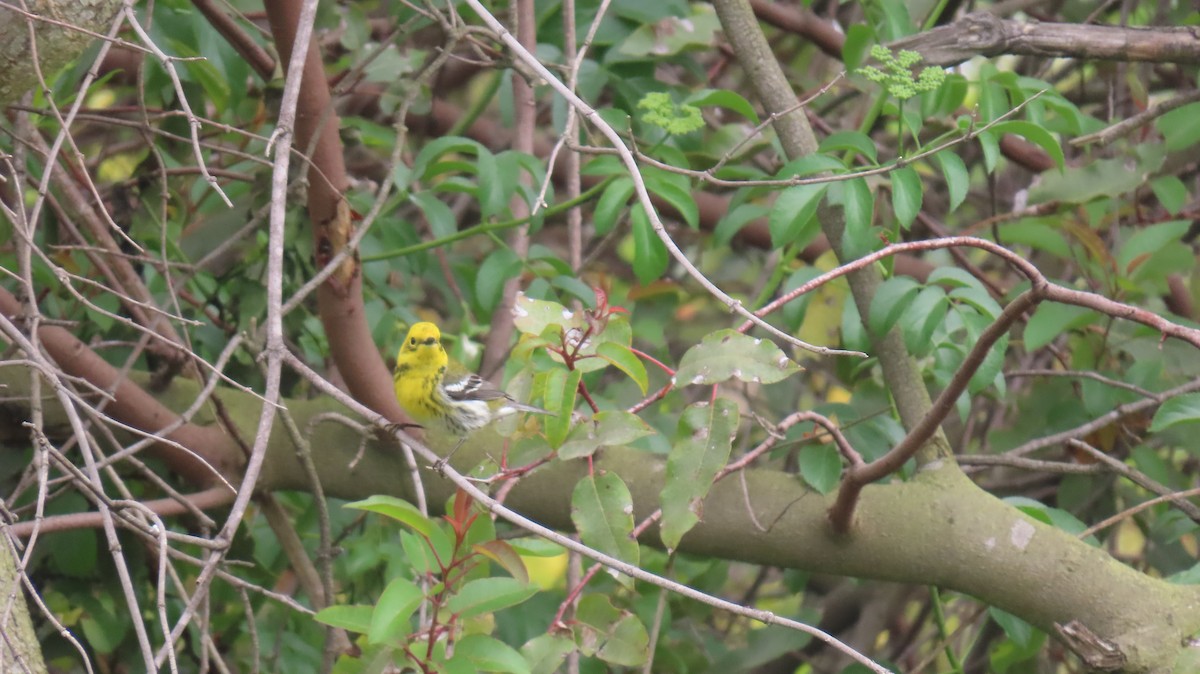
pixel 472 387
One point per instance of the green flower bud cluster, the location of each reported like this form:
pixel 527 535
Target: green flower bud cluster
pixel 663 113
pixel 896 73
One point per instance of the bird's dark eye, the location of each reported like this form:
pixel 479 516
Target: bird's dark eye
pixel 412 341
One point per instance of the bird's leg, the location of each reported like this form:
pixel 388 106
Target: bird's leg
pixel 441 463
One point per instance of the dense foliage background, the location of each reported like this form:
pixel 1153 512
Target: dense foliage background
pixel 1009 295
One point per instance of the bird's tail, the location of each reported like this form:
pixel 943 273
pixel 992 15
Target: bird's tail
pixel 512 407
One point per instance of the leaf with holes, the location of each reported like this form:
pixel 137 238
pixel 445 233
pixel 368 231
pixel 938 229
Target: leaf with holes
pixel 602 511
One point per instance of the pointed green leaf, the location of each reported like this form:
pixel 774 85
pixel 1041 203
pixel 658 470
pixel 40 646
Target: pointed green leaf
pixel 610 204
pixel 957 178
pixel 650 256
pixel 726 354
pixel 610 428
pixel 906 195
pixel 723 98
pixel 1051 320
pixel 706 437
pixel 389 620
pixel 854 141
pixel 617 637
pixel 624 360
pixel 858 203
pixel 397 509
pixel 503 554
pixel 792 219
pixel 733 222
pixel 356 618
pixel 821 467
pixel 547 652
pixel 602 511
pixel 532 317
pixel 675 193
pixel 890 302
pixel 1180 409
pixel 487 595
pixel 562 388
pixel 488 654
pixel 1035 134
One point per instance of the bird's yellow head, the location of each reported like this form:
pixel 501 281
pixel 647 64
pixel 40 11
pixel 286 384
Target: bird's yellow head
pixel 422 348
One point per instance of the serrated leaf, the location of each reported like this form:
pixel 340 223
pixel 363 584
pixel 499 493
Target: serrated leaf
pixel 821 467
pixel 610 428
pixel 389 620
pixel 503 554
pixel 397 509
pixel 890 302
pixel 706 432
pixel 958 180
pixel 356 618
pixel 488 654
pixel 906 195
pixel 602 511
pixel 792 218
pixel 728 354
pixel 1178 410
pixel 487 595
pixel 624 360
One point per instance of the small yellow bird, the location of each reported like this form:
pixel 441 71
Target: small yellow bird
pixel 431 390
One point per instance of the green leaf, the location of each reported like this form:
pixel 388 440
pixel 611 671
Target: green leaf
pixel 674 193
pixel 356 618
pixel 1149 240
pixel 1051 320
pixel 389 620
pixel 503 554
pixel 923 317
pixel 547 652
pixel 609 428
pixel 958 180
pixel 397 509
pixel 624 360
pixel 1180 127
pixel 853 141
pixel 617 637
pixel 602 511
pixel 434 149
pixel 1034 134
pixel 890 302
pixel 1170 192
pixel 792 220
pixel 1014 628
pixel 650 256
pixel 859 38
pixel 562 388
pixel 439 216
pixel 1178 410
pixel 906 195
pixel 488 654
pixel 493 197
pixel 487 595
pixel 859 203
pixel 706 432
pixel 501 265
pixel 723 98
pixel 726 354
pixel 733 222
pixel 533 316
pixel 821 467
pixel 610 205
